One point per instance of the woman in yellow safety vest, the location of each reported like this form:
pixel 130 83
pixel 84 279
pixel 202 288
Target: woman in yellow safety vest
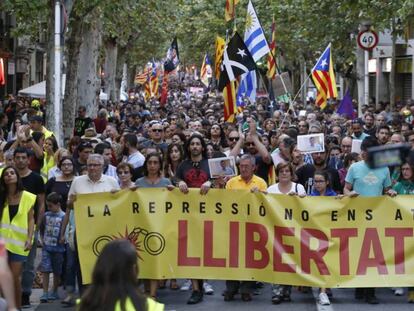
pixel 115 282
pixel 50 146
pixel 16 223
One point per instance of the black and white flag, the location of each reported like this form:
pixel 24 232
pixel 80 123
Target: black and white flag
pixel 236 61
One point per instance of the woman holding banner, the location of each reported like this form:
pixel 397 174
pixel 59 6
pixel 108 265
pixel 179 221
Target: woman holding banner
pixel 285 185
pixel 322 187
pixel 153 179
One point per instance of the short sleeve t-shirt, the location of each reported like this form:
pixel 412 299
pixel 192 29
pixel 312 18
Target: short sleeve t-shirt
pixel 34 183
pixel 366 181
pixel 194 174
pixel 53 225
pixel 297 188
pixel 143 183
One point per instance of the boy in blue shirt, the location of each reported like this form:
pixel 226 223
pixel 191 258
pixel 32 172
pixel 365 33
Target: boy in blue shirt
pixel 52 251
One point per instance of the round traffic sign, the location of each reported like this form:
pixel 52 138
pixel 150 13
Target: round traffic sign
pixel 367 39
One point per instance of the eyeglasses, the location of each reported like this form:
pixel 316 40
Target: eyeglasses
pixel 317 181
pixel 124 172
pixel 234 138
pixel 157 130
pixel 66 164
pixel 249 144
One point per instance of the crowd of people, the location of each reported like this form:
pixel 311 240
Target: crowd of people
pixel 141 144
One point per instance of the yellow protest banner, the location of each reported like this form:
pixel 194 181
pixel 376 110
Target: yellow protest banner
pixel 312 241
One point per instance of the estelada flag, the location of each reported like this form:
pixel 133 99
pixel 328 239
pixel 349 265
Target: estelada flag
pixel 205 72
pixel 236 61
pixel 323 77
pixel 220 45
pixel 230 10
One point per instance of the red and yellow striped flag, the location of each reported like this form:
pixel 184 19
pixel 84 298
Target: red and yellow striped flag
pixel 323 77
pixel 230 10
pixel 230 106
pixel 220 45
pixel 154 85
pixel 271 63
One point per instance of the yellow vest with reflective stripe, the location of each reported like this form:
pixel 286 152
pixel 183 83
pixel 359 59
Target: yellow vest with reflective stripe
pixel 14 232
pixel 47 165
pixel 152 305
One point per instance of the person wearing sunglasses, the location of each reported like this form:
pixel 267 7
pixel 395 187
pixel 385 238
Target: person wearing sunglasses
pixel 156 134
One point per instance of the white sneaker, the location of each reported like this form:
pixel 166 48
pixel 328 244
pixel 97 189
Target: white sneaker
pixel 399 291
pixel 208 289
pixel 324 299
pixel 186 286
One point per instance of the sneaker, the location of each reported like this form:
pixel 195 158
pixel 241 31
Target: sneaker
pixel 399 291
pixel 208 289
pixel 196 297
pixel 26 301
pixel 186 286
pixel 54 296
pixel 44 298
pixel 410 296
pixel 324 299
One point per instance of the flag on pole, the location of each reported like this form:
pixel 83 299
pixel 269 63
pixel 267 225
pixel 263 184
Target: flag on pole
pixel 141 77
pixel 154 81
pixel 230 10
pixel 205 72
pixel 254 36
pixel 229 95
pixel 220 45
pixel 346 107
pixel 256 43
pixel 323 77
pixel 271 64
pixel 173 57
pixel 236 61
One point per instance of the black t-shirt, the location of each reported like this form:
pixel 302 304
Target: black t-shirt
pixel 13 209
pixel 60 187
pixel 262 169
pixel 33 183
pixel 81 124
pixel 193 173
pixel 305 178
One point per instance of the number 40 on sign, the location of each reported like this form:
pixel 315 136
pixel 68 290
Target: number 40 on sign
pixel 367 39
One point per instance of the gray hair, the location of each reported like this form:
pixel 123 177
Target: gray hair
pixel 97 157
pixel 249 157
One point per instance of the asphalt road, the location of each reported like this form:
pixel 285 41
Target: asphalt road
pixel 343 300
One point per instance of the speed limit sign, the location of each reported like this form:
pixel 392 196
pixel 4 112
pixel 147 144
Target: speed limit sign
pixel 367 39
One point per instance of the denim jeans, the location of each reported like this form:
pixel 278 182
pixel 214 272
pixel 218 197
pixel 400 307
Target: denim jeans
pixel 28 274
pixel 70 276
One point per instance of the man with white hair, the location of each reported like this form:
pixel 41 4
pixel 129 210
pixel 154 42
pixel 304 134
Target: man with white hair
pixel 94 181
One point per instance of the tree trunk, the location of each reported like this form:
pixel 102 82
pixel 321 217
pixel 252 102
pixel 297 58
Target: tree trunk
pixel 393 64
pixel 50 65
pixel 70 104
pixel 120 71
pixel 360 69
pixel 131 77
pixel 110 68
pixel 87 75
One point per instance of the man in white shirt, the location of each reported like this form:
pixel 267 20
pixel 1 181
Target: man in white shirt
pixel 129 144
